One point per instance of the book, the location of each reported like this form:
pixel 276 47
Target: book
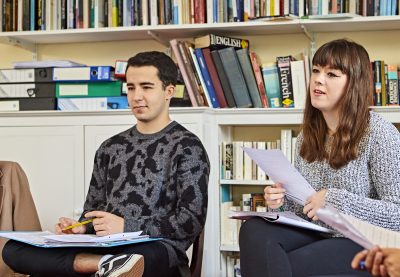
pixel 235 77
pixel 46 239
pixel 223 79
pixel 206 77
pixel 89 89
pixel 392 88
pixel 287 218
pixel 214 77
pixel 87 73
pixel 248 74
pixel 187 73
pixel 285 81
pixel 216 42
pixel 92 103
pixel 28 104
pixel 363 233
pixel 27 90
pixel 259 79
pixel 299 83
pixel 272 85
pixel 28 75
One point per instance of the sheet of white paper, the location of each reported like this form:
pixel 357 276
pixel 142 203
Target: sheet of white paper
pixel 93 238
pixel 337 221
pixel 280 170
pixel 32 237
pixel 359 231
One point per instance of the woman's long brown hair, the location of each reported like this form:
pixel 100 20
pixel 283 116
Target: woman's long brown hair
pixel 353 60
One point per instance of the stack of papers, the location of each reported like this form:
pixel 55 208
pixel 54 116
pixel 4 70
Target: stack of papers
pixel 287 218
pixel 46 63
pixel 49 239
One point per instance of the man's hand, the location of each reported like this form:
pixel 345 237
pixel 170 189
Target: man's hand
pixel 313 203
pixel 65 222
pixel 106 223
pixel 372 260
pixel 391 260
pixel 274 195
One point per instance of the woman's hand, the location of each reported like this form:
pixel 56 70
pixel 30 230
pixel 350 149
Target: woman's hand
pixel 274 195
pixel 313 203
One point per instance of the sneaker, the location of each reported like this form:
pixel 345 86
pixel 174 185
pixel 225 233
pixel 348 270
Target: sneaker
pixel 123 265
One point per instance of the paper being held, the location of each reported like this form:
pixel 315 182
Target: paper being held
pixel 280 170
pixel 361 232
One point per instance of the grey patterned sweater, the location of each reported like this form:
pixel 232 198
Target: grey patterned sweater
pixel 157 183
pixel 367 187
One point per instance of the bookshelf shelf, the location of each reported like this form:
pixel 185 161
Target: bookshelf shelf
pixel 164 32
pixel 229 248
pixel 246 182
pixel 167 32
pixel 355 24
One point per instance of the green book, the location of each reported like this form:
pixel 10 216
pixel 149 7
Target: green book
pixel 88 89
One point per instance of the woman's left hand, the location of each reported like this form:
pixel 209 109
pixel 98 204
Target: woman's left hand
pixel 313 203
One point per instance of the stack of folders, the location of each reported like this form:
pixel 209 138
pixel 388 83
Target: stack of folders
pixel 27 89
pixel 78 88
pixel 88 88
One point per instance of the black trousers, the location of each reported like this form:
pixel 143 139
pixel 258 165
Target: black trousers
pixel 52 262
pixel 271 249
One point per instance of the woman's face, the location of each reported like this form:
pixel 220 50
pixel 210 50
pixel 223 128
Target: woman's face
pixel 327 86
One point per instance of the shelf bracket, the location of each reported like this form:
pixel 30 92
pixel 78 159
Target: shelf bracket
pixel 164 42
pixel 32 47
pixel 311 37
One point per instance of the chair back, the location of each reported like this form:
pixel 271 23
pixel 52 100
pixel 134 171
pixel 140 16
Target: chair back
pixel 197 255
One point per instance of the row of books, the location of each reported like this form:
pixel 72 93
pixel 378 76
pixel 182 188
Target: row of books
pixel 352 7
pixel 30 15
pixel 220 72
pixel 386 83
pixel 233 266
pixel 230 227
pixel 236 165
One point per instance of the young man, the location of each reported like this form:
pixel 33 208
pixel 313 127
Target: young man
pixel 152 177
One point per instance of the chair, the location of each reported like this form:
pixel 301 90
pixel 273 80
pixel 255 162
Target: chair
pixel 197 255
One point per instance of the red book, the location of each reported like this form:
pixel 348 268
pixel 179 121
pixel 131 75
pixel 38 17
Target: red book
pixel 214 78
pixel 259 79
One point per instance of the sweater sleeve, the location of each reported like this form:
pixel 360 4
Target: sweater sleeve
pixel 384 172
pixel 191 182
pixel 96 197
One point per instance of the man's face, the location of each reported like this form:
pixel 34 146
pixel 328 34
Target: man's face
pixel 146 96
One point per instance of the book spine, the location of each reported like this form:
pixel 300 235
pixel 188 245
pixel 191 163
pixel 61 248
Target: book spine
pixel 377 83
pixel 185 74
pixel 285 78
pixel 259 80
pixel 218 42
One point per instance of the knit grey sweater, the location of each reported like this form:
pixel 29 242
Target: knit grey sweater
pixel 157 183
pixel 369 186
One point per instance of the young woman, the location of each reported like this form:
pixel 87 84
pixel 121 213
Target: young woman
pixel 350 156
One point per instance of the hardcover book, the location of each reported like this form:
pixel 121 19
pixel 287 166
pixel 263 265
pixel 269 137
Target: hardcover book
pixel 215 42
pixel 285 80
pixel 236 80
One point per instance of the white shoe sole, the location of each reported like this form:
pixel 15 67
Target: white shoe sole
pixel 134 267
